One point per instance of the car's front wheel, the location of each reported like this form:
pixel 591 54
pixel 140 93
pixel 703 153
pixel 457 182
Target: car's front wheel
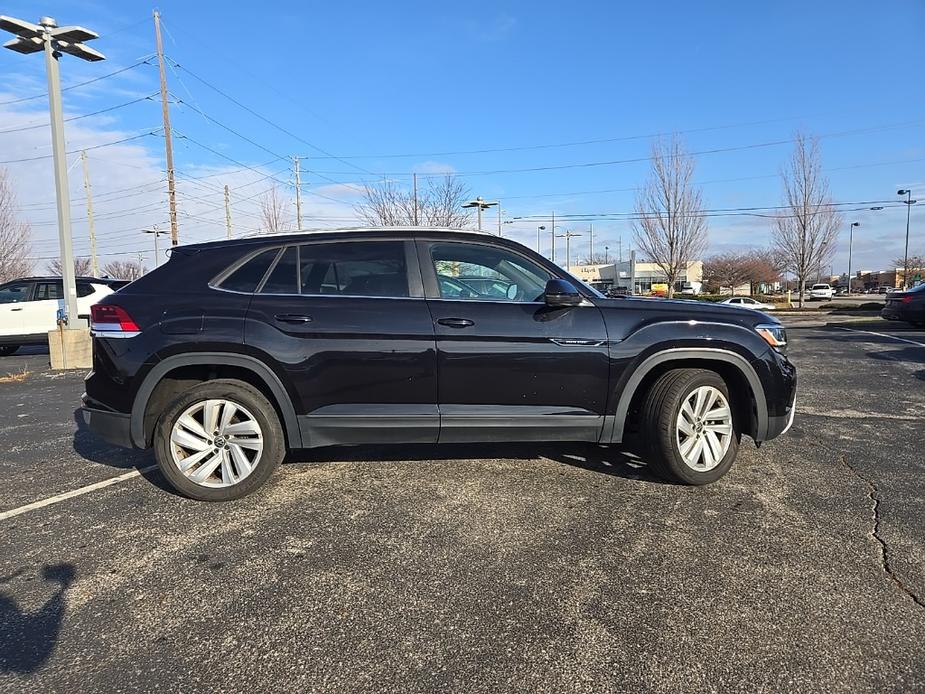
pixel 218 441
pixel 689 426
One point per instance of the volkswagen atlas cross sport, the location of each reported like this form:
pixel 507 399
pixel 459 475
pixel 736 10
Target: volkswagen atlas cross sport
pixel 234 352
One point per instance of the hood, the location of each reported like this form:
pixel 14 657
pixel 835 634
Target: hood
pixel 692 309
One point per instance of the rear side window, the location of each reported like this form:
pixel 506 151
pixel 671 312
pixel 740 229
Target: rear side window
pixel 358 268
pixel 48 290
pixel 248 276
pixel 84 289
pixel 284 277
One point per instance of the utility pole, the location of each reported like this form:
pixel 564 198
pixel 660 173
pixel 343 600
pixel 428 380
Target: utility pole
pixel 168 141
pixel 632 272
pixel 568 236
pixel 298 193
pixel 414 188
pixel 227 213
pixel 591 260
pixel 620 247
pixel 552 234
pixel 94 265
pixel 499 219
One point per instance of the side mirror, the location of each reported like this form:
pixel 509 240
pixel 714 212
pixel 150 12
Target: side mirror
pixel 561 293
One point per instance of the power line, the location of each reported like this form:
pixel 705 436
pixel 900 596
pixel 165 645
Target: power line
pixel 79 84
pixel 75 151
pixel 633 160
pixel 73 118
pixel 268 121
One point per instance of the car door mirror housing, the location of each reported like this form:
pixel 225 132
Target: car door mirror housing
pixel 561 293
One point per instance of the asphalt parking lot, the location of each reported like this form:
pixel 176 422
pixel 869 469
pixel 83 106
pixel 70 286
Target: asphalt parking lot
pixel 496 568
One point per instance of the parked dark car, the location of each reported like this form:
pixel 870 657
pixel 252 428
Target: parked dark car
pixel 906 306
pixel 233 352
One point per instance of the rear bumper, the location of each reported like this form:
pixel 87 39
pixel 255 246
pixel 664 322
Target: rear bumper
pixel 112 427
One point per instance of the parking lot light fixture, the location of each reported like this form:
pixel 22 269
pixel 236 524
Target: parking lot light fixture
pixel 538 230
pixel 909 203
pixel 157 232
pixel 47 36
pixel 480 204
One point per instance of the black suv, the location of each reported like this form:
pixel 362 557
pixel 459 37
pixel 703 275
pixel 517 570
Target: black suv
pixel 234 352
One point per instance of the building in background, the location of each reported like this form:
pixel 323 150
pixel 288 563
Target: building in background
pixel 603 277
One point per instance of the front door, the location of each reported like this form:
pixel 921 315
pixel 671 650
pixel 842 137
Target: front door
pixel 509 367
pixel 347 320
pixel 15 314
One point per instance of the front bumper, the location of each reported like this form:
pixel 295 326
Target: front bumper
pixel 112 427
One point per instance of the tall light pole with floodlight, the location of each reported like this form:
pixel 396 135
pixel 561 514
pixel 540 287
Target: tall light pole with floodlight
pixel 538 230
pixel 480 205
pixel 909 203
pixel 157 251
pixel 47 36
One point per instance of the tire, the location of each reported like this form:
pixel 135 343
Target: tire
pixel 7 350
pixel 663 442
pixel 256 434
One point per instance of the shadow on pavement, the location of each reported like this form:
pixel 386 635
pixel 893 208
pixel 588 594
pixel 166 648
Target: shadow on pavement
pixel 29 638
pixel 607 460
pixel 90 447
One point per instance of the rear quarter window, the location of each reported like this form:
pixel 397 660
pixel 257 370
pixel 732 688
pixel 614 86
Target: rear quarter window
pixel 248 276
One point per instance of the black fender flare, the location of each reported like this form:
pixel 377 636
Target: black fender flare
pixel 156 374
pixel 613 431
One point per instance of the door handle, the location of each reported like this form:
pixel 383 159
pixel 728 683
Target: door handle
pixel 456 322
pixel 292 318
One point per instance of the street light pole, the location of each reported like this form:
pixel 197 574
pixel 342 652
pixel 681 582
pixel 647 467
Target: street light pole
pixel 909 203
pixel 850 244
pixel 47 36
pixel 538 230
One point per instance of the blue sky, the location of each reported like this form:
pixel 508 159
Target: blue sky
pixel 431 81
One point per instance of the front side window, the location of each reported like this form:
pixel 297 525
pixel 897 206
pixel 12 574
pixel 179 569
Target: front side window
pixel 354 268
pixel 483 273
pixel 15 292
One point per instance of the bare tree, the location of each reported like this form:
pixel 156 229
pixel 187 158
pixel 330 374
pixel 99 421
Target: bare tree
pixel 670 227
pixel 82 267
pixel 914 268
pixel 805 233
pixel 124 269
pixel 15 236
pixel 727 270
pixel 274 212
pixel 439 204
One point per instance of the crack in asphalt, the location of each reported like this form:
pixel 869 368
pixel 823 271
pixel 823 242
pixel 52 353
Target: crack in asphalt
pixel 873 493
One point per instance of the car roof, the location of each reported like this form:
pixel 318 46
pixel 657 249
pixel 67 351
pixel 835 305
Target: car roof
pixel 55 278
pixel 347 232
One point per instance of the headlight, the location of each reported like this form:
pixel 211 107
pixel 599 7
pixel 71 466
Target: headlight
pixel 774 334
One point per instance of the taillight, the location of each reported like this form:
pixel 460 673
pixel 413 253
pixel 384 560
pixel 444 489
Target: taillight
pixel 112 321
pixel 906 300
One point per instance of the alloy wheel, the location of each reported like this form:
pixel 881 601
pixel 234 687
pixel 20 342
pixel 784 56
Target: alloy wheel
pixel 704 428
pixel 216 443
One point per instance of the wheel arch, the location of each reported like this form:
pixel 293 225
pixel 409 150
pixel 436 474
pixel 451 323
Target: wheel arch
pixel 733 367
pixel 175 373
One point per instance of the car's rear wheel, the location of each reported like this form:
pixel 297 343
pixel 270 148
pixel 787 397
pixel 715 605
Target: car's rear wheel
pixel 7 350
pixel 218 441
pixel 689 427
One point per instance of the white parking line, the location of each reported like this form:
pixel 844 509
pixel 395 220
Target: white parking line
pixel 75 492
pixel 892 337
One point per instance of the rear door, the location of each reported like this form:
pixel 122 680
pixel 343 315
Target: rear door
pixel 347 322
pixel 511 368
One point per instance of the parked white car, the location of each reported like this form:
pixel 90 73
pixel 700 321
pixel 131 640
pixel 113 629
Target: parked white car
pixel 29 307
pixel 747 302
pixel 821 292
